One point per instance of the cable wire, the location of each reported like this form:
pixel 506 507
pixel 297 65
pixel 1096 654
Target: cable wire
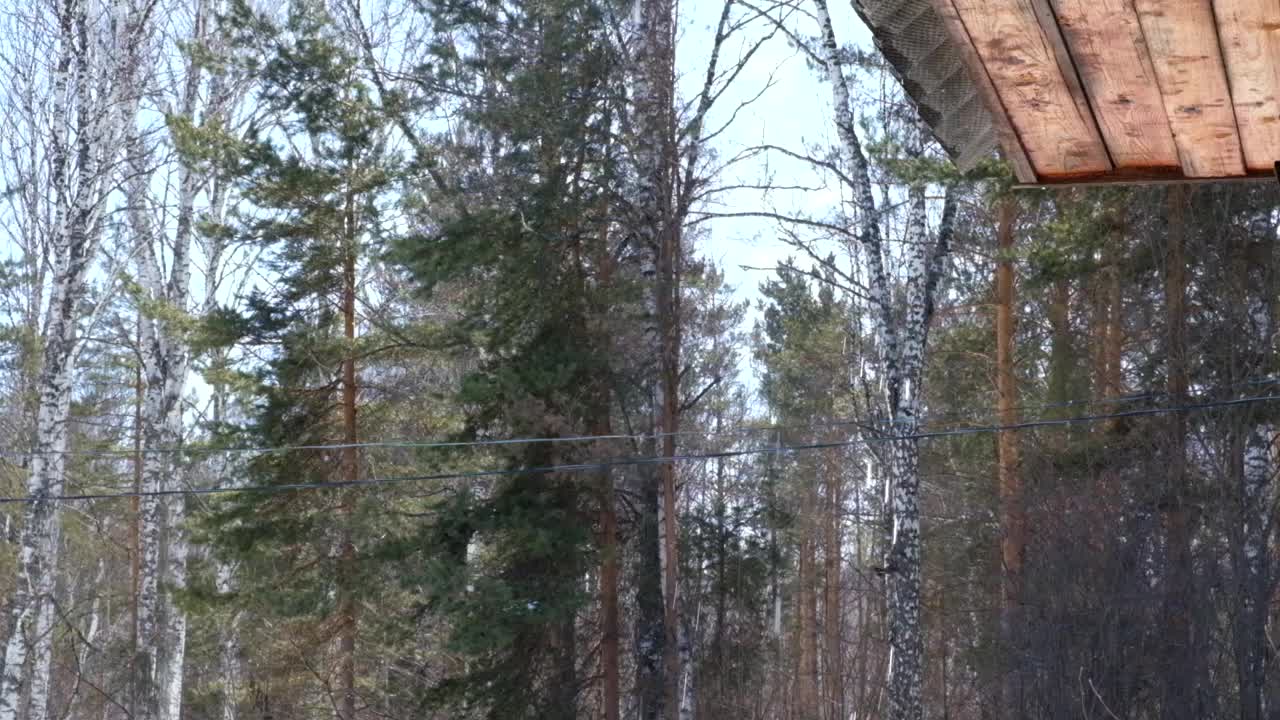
pixel 861 424
pixel 636 461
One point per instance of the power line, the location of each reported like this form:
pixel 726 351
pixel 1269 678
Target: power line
pixel 637 461
pixel 1118 400
pixel 860 424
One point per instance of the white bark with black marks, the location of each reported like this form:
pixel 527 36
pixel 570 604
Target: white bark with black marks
pixel 165 355
pixel 42 657
pixel 94 85
pixel 902 348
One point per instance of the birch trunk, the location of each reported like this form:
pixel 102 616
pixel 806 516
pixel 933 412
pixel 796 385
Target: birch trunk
pixel 688 680
pixel 42 666
pixel 218 108
pixel 656 236
pixel 165 360
pixel 174 651
pixel 161 623
pixel 901 346
pixel 648 600
pixel 1061 357
pixel 95 100
pixel 228 650
pixel 89 662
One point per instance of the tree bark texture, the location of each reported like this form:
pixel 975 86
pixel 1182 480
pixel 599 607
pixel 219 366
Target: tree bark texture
pixel 1253 570
pixel 1013 535
pixel 806 600
pixel 351 474
pixel 1179 695
pixel 832 607
pixel 657 238
pixel 96 99
pixel 609 636
pixel 161 624
pixel 901 347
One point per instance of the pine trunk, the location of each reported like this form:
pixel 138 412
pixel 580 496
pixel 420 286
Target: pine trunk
pixel 832 608
pixel 351 474
pixel 1179 700
pixel 1013 538
pixel 609 634
pixel 806 640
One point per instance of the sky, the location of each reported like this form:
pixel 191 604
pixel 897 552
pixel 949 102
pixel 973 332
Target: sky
pixel 794 112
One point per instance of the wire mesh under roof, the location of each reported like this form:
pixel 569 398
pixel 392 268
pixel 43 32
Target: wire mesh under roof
pixel 913 37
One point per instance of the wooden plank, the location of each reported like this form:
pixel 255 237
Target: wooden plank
pixel 1144 181
pixel 1249 31
pixel 1183 41
pixel 1111 56
pixel 1058 132
pixel 1014 153
pixel 1053 35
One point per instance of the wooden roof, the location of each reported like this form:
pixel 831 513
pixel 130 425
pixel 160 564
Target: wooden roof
pixel 1126 90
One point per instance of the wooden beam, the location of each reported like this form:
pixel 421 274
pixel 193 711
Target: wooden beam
pixel 1107 46
pixel 1024 63
pixel 1249 31
pixel 1183 41
pixel 1010 144
pixel 1143 181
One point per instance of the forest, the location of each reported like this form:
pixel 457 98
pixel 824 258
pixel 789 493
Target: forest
pixel 379 360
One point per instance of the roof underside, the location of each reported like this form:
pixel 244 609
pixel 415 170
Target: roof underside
pixel 1094 90
pixel 913 37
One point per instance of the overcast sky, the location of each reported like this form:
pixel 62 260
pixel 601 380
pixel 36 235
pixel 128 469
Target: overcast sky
pixel 795 112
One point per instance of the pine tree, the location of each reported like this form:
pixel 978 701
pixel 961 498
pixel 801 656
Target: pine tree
pixel 802 350
pixel 316 187
pixel 505 564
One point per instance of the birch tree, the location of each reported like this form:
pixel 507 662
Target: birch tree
pixel 654 241
pixel 96 55
pixel 670 179
pixel 901 339
pixel 164 297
